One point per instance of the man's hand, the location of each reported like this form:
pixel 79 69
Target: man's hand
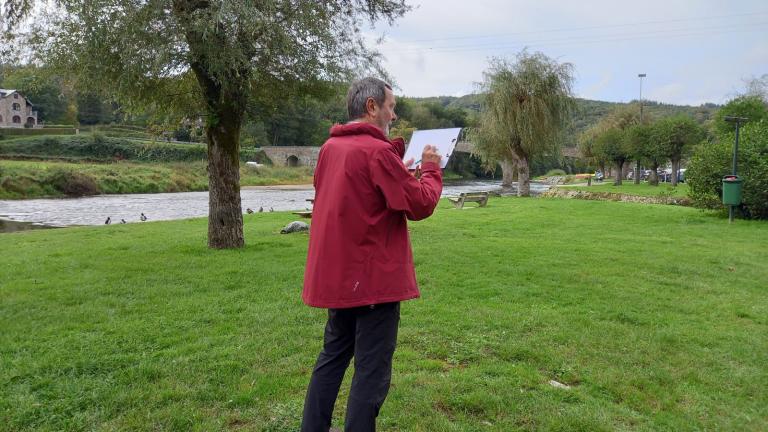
pixel 430 154
pixel 416 171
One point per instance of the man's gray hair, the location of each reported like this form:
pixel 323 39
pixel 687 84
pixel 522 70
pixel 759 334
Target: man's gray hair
pixel 360 91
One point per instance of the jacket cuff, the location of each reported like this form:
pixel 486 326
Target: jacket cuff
pixel 430 166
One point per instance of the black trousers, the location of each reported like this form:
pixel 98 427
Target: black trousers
pixel 369 333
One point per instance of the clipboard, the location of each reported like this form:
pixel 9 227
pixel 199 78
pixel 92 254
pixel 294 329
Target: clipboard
pixel 444 139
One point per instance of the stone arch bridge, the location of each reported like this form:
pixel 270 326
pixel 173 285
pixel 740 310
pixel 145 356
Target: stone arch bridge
pixel 292 155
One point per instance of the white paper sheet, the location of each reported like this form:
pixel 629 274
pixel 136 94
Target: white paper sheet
pixel 444 139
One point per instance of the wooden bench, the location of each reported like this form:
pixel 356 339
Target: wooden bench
pixel 479 197
pixel 308 213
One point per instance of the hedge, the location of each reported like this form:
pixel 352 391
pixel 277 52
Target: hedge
pixel 13 132
pixel 102 148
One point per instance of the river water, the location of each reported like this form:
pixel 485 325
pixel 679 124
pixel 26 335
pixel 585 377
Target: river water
pixel 37 213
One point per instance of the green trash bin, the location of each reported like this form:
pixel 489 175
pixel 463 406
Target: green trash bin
pixel 732 190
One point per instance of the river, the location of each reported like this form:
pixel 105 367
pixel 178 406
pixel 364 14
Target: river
pixel 40 213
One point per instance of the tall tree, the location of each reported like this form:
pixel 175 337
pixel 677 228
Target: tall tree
pixel 612 144
pixel 586 145
pixel 645 147
pixel 527 106
pixel 607 140
pixel 753 107
pixel 207 58
pixel 677 135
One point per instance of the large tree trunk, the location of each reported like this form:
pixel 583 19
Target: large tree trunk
pixel 619 170
pixel 523 178
pixel 636 176
pixel 225 111
pixel 653 180
pixel 507 173
pixel 225 214
pixel 675 168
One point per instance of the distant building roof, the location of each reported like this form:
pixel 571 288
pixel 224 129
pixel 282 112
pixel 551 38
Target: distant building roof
pixel 8 92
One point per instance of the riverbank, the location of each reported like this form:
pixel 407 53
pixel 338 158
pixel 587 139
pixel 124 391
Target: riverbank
pixel 38 179
pixel 644 312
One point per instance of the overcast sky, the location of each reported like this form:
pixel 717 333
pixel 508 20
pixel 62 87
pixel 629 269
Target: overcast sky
pixel 693 51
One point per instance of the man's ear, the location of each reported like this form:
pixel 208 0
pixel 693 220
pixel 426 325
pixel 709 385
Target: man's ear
pixel 370 106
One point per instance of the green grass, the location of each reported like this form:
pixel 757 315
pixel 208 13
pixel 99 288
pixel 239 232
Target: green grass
pixel 25 179
pixel 642 189
pixel 655 315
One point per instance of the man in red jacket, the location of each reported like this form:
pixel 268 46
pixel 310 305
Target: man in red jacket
pixel 359 263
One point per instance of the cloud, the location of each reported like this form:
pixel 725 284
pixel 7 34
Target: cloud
pixel 594 90
pixel 442 47
pixel 671 91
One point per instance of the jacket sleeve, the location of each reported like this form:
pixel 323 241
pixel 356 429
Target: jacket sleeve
pixel 401 190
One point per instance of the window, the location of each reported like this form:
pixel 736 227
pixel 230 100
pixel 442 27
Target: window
pixel 31 121
pixel 1 119
pixel 16 119
pixel 16 107
pixel 15 95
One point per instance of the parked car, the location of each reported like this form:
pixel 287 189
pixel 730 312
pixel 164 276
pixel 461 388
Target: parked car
pixel 681 175
pixel 644 174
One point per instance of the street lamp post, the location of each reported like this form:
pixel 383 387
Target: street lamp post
pixel 637 163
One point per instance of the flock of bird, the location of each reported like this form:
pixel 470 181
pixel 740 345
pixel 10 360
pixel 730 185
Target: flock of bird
pixel 143 217
pixel 261 210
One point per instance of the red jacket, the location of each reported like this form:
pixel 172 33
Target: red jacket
pixel 359 249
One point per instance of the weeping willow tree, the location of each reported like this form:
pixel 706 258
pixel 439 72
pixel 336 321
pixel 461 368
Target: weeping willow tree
pixel 203 59
pixel 527 106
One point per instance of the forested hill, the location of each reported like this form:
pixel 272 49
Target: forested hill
pixel 588 112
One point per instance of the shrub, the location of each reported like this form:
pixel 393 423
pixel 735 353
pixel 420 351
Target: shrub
pixel 555 172
pixel 711 161
pixel 72 183
pixel 182 134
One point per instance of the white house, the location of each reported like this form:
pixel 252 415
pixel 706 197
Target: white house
pixel 16 110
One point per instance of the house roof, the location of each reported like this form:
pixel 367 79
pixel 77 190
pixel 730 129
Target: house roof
pixel 8 92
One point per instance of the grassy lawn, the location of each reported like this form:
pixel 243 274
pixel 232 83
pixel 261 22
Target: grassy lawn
pixel 34 179
pixel 629 188
pixel 656 316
